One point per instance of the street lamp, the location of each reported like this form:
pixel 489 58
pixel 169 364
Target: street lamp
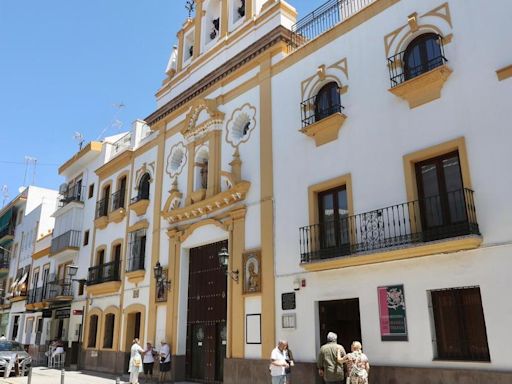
pixel 158 273
pixel 72 270
pixel 224 263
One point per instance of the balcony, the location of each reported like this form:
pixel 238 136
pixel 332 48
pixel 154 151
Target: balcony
pixel 67 241
pixel 101 216
pixel 60 290
pixel 418 79
pixel 432 225
pixel 118 206
pixel 139 204
pixel 322 19
pixel 4 263
pixel 74 193
pixel 7 232
pixel 322 121
pixel 104 278
pixel 36 298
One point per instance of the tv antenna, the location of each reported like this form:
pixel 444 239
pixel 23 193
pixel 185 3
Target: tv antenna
pixel 30 161
pixel 79 139
pixel 115 123
pixel 190 6
pixel 5 193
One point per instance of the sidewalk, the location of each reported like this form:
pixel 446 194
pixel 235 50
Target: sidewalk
pixel 41 375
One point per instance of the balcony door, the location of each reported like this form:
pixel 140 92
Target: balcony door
pixel 442 198
pixel 333 215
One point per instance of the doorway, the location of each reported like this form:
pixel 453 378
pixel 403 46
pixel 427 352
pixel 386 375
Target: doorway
pixel 206 315
pixel 133 323
pixel 341 317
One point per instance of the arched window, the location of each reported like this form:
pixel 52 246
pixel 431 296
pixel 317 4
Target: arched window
pixel 423 54
pixel 93 330
pixel 108 339
pixel 144 187
pixel 327 101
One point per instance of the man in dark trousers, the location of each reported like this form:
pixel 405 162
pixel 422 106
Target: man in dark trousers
pixel 328 367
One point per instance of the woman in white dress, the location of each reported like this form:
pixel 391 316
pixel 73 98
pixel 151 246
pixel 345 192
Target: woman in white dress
pixel 135 366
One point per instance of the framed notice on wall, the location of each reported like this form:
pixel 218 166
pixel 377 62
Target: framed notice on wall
pixel 392 313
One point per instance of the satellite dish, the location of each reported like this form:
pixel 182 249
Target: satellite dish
pixel 63 189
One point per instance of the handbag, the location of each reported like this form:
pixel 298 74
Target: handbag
pixel 137 362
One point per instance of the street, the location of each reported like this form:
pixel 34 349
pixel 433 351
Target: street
pixel 42 375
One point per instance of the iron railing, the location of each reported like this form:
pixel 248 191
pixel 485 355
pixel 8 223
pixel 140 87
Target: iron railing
pixel 4 260
pixel 123 143
pixel 7 230
pixel 403 68
pixel 35 295
pixel 102 207
pixel 69 239
pixel 434 218
pixel 62 287
pixel 74 193
pixel 104 273
pixel 118 199
pixel 324 18
pixel 312 112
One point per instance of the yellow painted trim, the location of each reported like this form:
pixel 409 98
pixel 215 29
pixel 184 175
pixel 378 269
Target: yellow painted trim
pixel 117 216
pixel 140 207
pixel 142 224
pixel 504 73
pixel 93 146
pixel 458 144
pixel 29 307
pixel 135 277
pixel 41 253
pixel 116 331
pixel 215 203
pixel 101 222
pixel 268 315
pixel 104 288
pixel 444 246
pixel 423 88
pixel 191 228
pixel 90 313
pixel 325 130
pixel 114 165
pixel 133 308
pixel 15 299
pixel 103 248
pixel 173 299
pixel 156 233
pixel 315 189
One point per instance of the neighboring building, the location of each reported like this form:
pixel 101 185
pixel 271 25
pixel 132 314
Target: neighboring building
pixel 33 209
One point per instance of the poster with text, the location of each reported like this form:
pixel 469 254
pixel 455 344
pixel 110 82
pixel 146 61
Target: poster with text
pixel 393 320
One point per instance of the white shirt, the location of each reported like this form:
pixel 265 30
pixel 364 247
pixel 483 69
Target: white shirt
pixel 148 357
pixel 166 351
pixel 279 357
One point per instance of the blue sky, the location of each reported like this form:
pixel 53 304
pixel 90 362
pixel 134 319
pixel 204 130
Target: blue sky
pixel 65 65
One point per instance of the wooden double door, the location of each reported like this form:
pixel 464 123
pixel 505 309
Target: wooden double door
pixel 206 315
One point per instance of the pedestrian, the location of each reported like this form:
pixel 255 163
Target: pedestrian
pixel 358 365
pixel 289 359
pixel 148 361
pixel 135 366
pixel 3 338
pixel 165 360
pixel 278 363
pixel 329 368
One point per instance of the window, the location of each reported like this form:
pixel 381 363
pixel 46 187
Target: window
pixel 327 101
pixel 422 54
pixel 333 217
pixel 138 251
pixel 144 187
pixel 459 324
pixel 100 257
pixel 20 217
pixel 108 340
pixel 117 252
pixel 91 191
pixel 81 287
pixel 442 198
pixel 93 330
pixel 86 238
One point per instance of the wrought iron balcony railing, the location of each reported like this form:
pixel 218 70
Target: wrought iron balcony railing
pixel 138 198
pixel 403 68
pixel 324 18
pixel 70 239
pixel 104 273
pixel 74 193
pixel 60 288
pixel 4 260
pixel 434 218
pixel 7 230
pixel 35 295
pixel 102 207
pixel 118 199
pixel 313 112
